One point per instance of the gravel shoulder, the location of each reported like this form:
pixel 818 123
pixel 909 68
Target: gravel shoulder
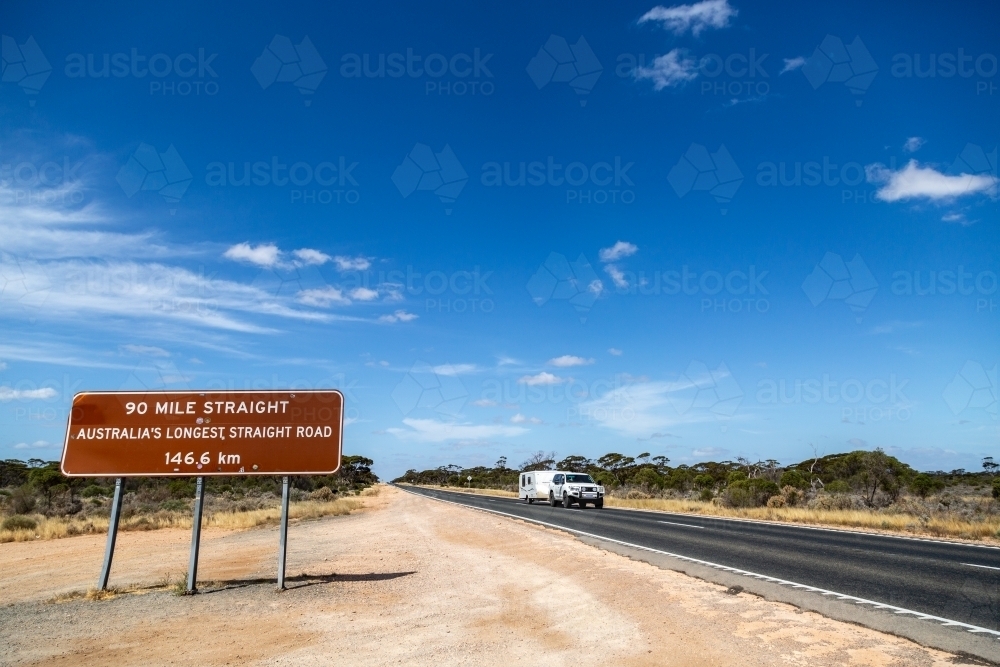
pixel 406 581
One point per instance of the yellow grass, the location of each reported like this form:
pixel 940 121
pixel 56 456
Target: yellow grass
pixel 49 528
pixel 987 530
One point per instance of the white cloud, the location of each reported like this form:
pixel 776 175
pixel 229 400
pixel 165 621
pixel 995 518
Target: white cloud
pixel 792 64
pixel 957 219
pixel 696 17
pixel 642 408
pixel 596 287
pixel 145 350
pixel 518 419
pixel 345 263
pixel 614 352
pixel 667 71
pixel 431 430
pixel 617 251
pixel 263 255
pixel 398 316
pixel 364 294
pixel 485 403
pixel 568 361
pixel 617 276
pixel 914 181
pixel 308 256
pixel 37 444
pixel 542 378
pixel 322 297
pixel 709 452
pixel 913 144
pixel 455 369
pixel 3 365
pixel 8 394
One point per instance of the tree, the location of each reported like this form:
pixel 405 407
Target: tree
pixel 501 463
pixel 990 466
pixel 923 484
pixel 876 471
pixel 539 461
pixel 574 464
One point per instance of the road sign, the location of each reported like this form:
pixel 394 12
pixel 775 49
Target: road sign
pixel 210 433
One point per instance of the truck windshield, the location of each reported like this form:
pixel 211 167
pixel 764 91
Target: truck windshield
pixel 580 479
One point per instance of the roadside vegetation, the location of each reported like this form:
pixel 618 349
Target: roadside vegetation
pixel 859 489
pixel 37 502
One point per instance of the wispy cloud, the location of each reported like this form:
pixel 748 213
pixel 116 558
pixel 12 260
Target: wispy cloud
pixel 668 71
pixel 695 18
pixel 792 64
pixel 398 316
pixel 619 250
pixel 916 182
pixel 345 263
pixel 913 144
pixel 540 379
pixel 269 256
pixel 617 276
pixel 615 352
pixel 432 430
pixel 145 350
pixel 568 361
pixel 9 394
pixel 37 444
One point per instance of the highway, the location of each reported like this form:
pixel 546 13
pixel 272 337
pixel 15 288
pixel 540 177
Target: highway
pixel 943 580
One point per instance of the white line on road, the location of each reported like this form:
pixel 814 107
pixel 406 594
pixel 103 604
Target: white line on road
pixel 822 591
pixel 686 525
pixel 987 567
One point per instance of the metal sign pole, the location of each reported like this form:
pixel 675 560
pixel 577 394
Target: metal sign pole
pixel 199 501
pixel 283 539
pixel 109 550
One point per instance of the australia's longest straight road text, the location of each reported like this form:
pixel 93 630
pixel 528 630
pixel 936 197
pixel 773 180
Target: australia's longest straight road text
pixel 944 579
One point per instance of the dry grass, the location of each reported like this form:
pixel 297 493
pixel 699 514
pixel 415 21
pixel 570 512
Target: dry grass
pixel 987 530
pixel 50 528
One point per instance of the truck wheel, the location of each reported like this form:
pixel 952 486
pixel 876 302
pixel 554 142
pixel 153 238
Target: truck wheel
pixel 599 504
pixel 566 501
pixel 531 501
pixel 552 499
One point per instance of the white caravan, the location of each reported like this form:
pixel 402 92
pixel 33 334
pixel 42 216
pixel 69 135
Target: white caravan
pixel 560 487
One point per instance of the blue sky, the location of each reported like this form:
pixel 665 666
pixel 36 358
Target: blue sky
pixel 700 230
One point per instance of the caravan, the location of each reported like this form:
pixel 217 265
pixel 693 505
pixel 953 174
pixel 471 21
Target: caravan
pixel 560 487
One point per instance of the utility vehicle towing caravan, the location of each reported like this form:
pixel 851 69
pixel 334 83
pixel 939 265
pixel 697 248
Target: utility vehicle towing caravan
pixel 560 487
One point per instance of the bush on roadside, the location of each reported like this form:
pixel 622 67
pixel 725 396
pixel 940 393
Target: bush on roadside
pixel 837 486
pixel 749 492
pixel 19 522
pixel 793 478
pixel 323 494
pixel 923 485
pixel 996 488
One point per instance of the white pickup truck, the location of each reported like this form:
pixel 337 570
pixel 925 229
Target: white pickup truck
pixel 558 486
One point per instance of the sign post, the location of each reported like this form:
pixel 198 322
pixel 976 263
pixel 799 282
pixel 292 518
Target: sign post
pixel 202 434
pixel 109 549
pixel 283 534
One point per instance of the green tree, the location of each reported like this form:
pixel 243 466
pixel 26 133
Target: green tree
pixel 923 485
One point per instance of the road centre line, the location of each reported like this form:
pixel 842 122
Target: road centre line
pixel 985 567
pixel 686 525
pixel 840 596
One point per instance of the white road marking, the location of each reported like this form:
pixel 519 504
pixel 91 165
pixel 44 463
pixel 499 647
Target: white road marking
pixel 686 525
pixel 822 591
pixel 986 567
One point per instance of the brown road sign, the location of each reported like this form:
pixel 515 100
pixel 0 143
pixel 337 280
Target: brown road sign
pixel 169 433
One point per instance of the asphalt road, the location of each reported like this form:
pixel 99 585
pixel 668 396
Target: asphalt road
pixel 947 580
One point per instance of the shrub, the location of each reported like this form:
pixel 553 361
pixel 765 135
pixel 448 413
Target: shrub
pixel 996 488
pixel 704 481
pixel 837 486
pixel 793 478
pixel 22 499
pixel 94 491
pixel 19 522
pixel 706 495
pixel 749 492
pixel 323 494
pixel 649 478
pixel 736 476
pixel 923 485
pixel 174 505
